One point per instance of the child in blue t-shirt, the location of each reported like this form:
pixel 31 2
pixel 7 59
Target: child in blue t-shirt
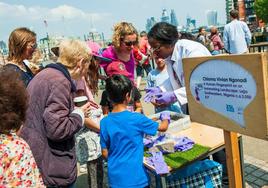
pixel 121 136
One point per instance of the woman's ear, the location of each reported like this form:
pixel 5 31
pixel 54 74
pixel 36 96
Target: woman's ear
pixel 128 98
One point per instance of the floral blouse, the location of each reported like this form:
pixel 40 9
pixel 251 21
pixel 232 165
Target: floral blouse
pixel 17 165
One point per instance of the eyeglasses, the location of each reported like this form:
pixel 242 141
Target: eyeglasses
pixel 152 50
pixel 130 43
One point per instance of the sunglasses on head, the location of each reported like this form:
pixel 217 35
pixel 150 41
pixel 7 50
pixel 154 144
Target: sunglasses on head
pixel 130 43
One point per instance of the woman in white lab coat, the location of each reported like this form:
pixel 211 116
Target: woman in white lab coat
pixel 165 43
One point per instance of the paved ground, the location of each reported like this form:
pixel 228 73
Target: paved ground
pixel 255 158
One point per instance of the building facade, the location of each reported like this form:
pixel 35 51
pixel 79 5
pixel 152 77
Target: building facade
pixel 212 17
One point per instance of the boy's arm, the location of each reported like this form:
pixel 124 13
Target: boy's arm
pixel 163 126
pixel 104 153
pixel 165 120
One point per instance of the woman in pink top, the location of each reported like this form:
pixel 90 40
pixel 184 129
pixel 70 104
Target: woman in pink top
pixel 125 37
pixel 216 40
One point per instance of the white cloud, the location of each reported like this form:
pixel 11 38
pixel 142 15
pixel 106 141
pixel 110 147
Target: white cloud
pixel 42 13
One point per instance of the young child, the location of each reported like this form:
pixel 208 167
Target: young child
pixel 88 148
pixel 121 136
pixel 117 67
pixel 159 77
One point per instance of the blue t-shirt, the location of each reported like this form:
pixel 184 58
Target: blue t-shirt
pixel 122 134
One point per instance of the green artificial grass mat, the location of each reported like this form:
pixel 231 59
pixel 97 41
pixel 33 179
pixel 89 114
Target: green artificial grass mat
pixel 178 159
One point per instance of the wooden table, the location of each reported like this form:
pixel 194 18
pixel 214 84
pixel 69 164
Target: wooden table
pixel 204 135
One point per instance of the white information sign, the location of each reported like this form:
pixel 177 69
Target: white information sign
pixel 224 87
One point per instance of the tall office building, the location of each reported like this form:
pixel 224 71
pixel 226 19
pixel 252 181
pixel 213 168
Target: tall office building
pixel 173 18
pixel 211 17
pixel 150 23
pixel 188 21
pixel 165 17
pixel 193 23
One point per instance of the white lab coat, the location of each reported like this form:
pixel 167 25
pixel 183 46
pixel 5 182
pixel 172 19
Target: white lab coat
pixel 183 48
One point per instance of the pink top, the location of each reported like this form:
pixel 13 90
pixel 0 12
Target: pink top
pixel 111 54
pixel 217 42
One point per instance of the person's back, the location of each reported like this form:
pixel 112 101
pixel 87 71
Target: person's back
pixel 236 35
pixel 18 167
pixel 122 136
pixel 126 128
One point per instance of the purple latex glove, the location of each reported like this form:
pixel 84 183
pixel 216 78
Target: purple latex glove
pixel 166 98
pixel 153 90
pixel 183 144
pixel 160 138
pixel 148 142
pixel 165 115
pixel 159 163
pixel 150 93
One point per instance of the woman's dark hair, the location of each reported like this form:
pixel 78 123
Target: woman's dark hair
pixel 13 101
pixel 117 86
pixel 200 29
pixel 186 35
pixel 164 33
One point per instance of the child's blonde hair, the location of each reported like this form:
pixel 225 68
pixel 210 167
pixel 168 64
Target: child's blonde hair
pixel 72 51
pixel 120 31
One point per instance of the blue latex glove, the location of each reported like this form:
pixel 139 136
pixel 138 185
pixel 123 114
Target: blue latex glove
pixel 150 93
pixel 165 115
pixel 166 98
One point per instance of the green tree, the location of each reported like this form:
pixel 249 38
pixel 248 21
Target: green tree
pixel 261 9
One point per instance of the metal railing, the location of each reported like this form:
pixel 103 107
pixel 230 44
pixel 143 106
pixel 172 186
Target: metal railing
pixel 259 47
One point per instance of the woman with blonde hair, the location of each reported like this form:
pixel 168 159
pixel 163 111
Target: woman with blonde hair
pixel 52 120
pixel 125 37
pixel 21 45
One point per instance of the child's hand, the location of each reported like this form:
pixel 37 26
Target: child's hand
pixel 86 108
pixel 165 115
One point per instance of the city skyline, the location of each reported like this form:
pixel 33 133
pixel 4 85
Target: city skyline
pixel 77 18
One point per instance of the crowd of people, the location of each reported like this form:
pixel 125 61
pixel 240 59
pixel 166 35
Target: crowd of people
pixel 43 132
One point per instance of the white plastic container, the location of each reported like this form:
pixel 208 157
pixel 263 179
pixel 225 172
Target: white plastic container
pixel 178 121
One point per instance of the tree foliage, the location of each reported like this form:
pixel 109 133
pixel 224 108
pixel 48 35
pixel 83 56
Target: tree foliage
pixel 261 9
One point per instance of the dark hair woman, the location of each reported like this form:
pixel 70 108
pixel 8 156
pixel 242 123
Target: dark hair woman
pixel 17 165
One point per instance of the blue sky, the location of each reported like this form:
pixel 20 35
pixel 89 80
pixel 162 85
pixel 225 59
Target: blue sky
pixel 77 17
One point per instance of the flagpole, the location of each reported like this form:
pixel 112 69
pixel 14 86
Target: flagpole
pixel 48 47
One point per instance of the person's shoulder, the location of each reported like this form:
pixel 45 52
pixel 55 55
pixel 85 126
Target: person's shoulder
pixel 243 23
pixel 136 116
pixel 104 120
pixel 154 72
pixel 108 52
